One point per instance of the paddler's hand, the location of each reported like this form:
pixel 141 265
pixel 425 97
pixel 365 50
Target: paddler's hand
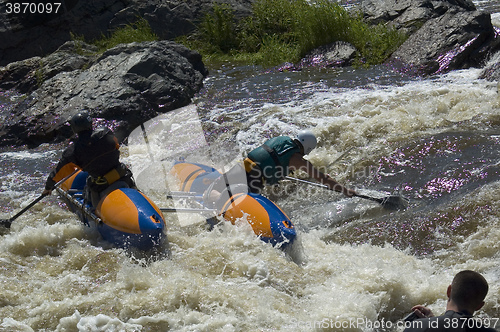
pixel 47 192
pixel 422 312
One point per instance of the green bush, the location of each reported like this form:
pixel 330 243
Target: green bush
pixel 140 31
pixel 285 30
pixel 219 29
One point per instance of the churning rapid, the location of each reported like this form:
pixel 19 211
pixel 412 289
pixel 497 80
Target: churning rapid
pixel 355 266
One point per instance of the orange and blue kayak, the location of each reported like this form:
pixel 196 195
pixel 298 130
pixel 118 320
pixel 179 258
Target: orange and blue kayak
pixel 124 217
pixel 268 221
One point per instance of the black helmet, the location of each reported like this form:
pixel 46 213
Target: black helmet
pixel 81 122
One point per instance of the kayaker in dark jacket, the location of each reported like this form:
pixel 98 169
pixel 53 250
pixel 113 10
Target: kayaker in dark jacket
pixel 271 163
pixel 95 152
pixel 465 296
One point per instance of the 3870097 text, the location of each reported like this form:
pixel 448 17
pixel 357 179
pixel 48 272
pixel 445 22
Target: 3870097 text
pixel 32 8
pixel 455 323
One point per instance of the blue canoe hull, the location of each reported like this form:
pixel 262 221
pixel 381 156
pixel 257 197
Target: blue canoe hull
pixel 268 221
pixel 125 217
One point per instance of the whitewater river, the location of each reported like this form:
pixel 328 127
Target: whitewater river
pixel 355 265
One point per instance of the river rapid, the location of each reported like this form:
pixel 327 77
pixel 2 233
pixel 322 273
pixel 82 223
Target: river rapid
pixel 355 265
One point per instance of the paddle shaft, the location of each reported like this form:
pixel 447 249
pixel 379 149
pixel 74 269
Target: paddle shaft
pixel 189 210
pixel 8 222
pixel 379 200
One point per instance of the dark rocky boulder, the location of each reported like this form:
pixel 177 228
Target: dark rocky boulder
pixel 25 76
pixel 125 86
pixel 443 35
pixel 24 36
pixel 455 40
pixel 409 14
pixel 336 54
pixel 27 35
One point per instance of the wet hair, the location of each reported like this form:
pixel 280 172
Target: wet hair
pixel 468 289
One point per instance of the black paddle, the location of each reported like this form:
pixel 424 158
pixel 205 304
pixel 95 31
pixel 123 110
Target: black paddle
pixel 392 202
pixel 7 222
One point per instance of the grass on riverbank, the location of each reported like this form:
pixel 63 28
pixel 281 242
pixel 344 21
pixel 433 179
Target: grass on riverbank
pixel 281 31
pixel 139 31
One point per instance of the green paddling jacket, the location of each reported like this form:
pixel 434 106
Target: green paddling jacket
pixel 273 158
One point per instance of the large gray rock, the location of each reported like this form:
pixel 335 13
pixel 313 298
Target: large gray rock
pixel 27 75
pixel 126 86
pixel 443 35
pixel 336 54
pixel 455 40
pixel 409 14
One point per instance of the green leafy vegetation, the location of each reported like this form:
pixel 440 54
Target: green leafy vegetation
pixel 40 74
pixel 281 31
pixel 140 31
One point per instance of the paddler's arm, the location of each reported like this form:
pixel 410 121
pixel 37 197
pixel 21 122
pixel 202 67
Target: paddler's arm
pixel 65 167
pixel 297 162
pixel 49 183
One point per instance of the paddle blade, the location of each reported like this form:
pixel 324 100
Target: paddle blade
pixel 5 223
pixel 395 202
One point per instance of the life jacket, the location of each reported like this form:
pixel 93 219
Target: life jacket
pixel 94 152
pixel 98 153
pixel 273 158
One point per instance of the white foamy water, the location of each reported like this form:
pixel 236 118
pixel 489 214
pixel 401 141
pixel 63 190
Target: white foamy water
pixel 355 266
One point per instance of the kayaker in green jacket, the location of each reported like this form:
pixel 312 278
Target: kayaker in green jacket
pixel 272 162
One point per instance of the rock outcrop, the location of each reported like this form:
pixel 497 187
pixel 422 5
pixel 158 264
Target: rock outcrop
pixel 336 54
pixel 455 40
pixel 443 35
pixel 125 86
pixel 409 15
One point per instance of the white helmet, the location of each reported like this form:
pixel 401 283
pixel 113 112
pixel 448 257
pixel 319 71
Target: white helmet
pixel 307 139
